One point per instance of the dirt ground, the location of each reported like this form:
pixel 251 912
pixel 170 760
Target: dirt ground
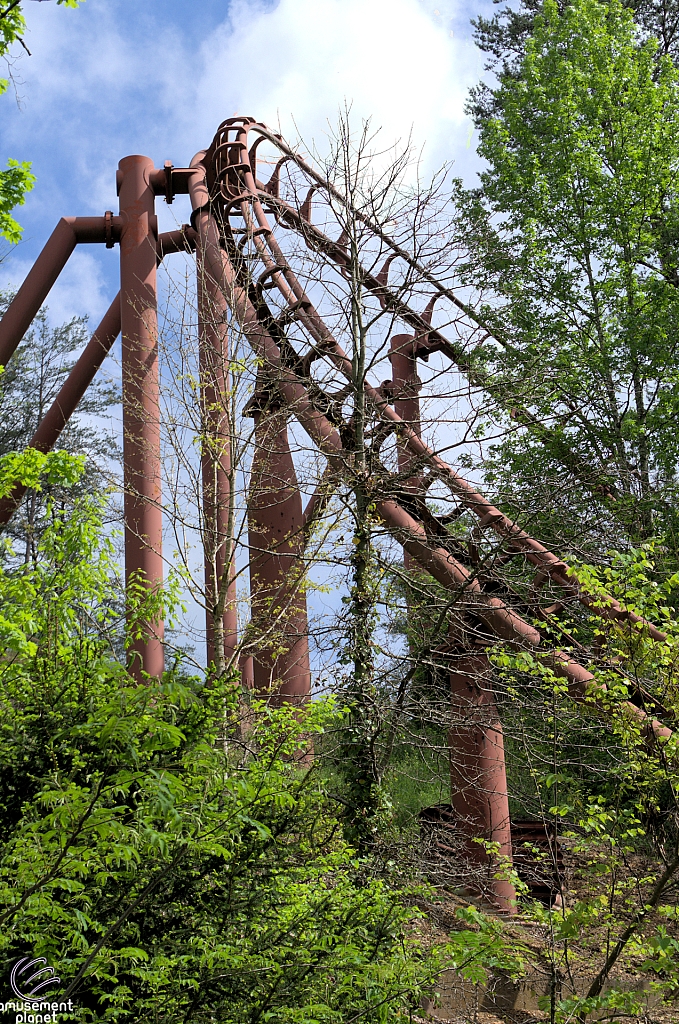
pixel 505 1002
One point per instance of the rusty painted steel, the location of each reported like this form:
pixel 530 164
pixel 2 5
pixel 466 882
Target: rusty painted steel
pixel 220 582
pixel 70 394
pixel 141 409
pixel 277 567
pixel 478 777
pixel 584 686
pixel 405 385
pixel 42 275
pixel 219 568
pixel 182 239
pixel 477 770
pixel 411 534
pixel 428 339
pixel 87 366
pixel 232 169
pixel 79 379
pixel 317 505
pixel 223 185
pixel 277 534
pixel 246 665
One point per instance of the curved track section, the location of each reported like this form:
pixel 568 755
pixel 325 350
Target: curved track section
pixel 255 266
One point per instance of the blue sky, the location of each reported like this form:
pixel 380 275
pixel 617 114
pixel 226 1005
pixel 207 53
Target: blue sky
pixel 116 77
pixel 157 76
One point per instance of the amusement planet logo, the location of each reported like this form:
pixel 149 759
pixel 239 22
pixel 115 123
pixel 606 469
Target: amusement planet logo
pixel 30 981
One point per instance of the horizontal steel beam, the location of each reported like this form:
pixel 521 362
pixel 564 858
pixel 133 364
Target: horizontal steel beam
pixel 98 347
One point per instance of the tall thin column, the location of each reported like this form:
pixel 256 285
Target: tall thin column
pixel 281 665
pixel 141 409
pixel 407 386
pixel 477 763
pixel 220 584
pixel 477 772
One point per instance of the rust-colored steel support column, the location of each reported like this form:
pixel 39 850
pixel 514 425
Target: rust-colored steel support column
pixel 277 544
pixel 407 386
pixel 141 410
pixel 477 765
pixel 477 773
pixel 44 272
pixel 247 672
pixel 36 287
pixel 221 636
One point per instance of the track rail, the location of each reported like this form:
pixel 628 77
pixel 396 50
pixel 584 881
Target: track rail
pixel 231 176
pixel 231 190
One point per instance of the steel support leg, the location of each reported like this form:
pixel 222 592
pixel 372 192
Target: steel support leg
pixel 407 386
pixel 247 672
pixel 36 288
pixel 141 410
pixel 44 272
pixel 477 773
pixel 276 559
pixel 478 778
pixel 220 583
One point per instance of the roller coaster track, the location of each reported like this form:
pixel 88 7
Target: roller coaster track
pixel 231 190
pixel 501 582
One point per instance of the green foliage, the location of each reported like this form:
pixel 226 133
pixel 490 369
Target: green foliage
pixel 70 583
pixel 417 777
pixel 29 385
pixel 15 182
pixel 12 27
pixel 503 38
pixel 482 948
pixel 572 237
pixel 32 468
pixel 170 872
pixel 611 790
pixel 170 882
pixel 357 759
pixel 589 119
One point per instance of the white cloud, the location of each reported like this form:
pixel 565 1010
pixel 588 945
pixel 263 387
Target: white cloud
pixel 110 79
pixel 105 81
pixel 79 291
pixel 128 76
pixel 97 82
pixel 300 61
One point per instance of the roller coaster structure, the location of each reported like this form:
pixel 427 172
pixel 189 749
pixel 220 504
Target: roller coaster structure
pixel 234 213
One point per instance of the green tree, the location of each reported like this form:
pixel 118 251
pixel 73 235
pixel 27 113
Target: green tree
pixel 610 792
pixel 571 241
pixel 29 385
pixel 503 38
pixel 169 873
